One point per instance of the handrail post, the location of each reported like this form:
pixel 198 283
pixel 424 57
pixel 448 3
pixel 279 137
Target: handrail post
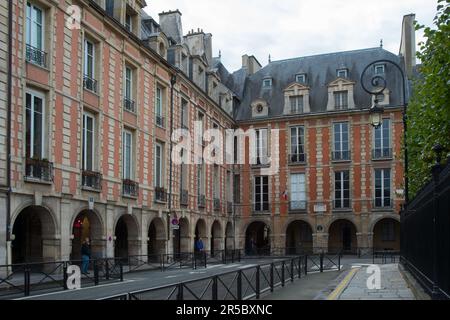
pixel 299 267
pixel 27 281
pixel 65 275
pixel 258 273
pixel 215 288
pixel 121 270
pixel 321 261
pixel 282 273
pixel 205 259
pixel 306 264
pixel 239 285
pixel 271 276
pixel 339 261
pixel 180 291
pixel 96 273
pixel 107 269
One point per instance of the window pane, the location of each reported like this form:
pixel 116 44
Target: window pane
pixel 28 126
pixel 38 134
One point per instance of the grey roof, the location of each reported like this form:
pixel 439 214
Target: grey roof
pixel 320 70
pixel 235 81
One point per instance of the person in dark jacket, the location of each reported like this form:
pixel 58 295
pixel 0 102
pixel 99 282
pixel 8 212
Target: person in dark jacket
pixel 85 256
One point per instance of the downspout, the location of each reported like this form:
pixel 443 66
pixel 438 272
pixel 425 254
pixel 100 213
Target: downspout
pixel 8 132
pixel 173 81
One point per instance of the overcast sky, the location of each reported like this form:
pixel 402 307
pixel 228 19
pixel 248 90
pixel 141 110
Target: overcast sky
pixel 293 28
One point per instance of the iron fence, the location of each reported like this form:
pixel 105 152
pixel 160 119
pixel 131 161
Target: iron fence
pixel 425 234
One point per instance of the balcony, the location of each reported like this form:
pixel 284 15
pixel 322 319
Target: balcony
pixel 261 208
pixel 91 180
pixel 297 206
pixel 201 201
pixel 342 205
pixel 160 121
pixel 160 194
pixel 36 56
pixel 184 197
pixel 382 154
pixel 90 84
pixel 297 158
pixel 383 204
pixel 129 105
pixel 130 188
pixel 40 170
pixel 229 207
pixel 341 155
pixel 216 204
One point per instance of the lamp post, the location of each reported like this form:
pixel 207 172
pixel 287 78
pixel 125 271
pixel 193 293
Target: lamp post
pixel 378 84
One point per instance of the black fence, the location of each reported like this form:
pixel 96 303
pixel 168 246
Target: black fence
pixel 425 234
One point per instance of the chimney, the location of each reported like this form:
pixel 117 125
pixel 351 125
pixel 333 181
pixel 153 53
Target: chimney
pixel 171 25
pixel 208 47
pixel 408 43
pixel 251 64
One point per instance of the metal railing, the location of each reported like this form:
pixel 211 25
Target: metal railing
pixel 385 256
pixel 297 206
pixel 160 194
pixel 90 84
pixel 39 169
pixel 129 105
pixel 160 121
pixel 381 153
pixel 91 179
pixel 184 197
pixel 36 56
pixel 297 158
pixel 130 188
pixel 341 155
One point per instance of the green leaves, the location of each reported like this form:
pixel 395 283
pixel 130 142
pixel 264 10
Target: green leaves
pixel 429 108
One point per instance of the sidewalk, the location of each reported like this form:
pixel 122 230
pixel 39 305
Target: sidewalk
pixel 354 285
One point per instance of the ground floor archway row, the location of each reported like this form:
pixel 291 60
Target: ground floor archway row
pixel 126 237
pixel 156 239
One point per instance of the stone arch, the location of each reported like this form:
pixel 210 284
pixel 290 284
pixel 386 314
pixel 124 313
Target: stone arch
pixel 342 236
pixel 34 235
pixel 87 224
pixel 156 239
pixel 393 216
pixel 200 231
pixel 257 238
pixel 229 236
pixel 216 237
pixel 299 237
pixel 126 236
pixel 386 234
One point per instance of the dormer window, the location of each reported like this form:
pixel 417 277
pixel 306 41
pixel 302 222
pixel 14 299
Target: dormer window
pixel 267 83
pixel 300 78
pixel 341 100
pixel 342 73
pixel 129 22
pixel 379 69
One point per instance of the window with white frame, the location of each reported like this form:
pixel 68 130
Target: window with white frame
pixel 35 118
pixel 129 22
pixel 89 66
pixel 159 106
pixel 216 182
pixel 261 193
pixel 35 35
pixel 342 73
pixel 127 155
pixel 229 187
pixel 129 103
pixel 297 145
pixel 184 114
pixel 382 140
pixel 300 78
pixel 296 103
pixel 382 188
pixel 379 69
pixel 237 188
pixel 341 149
pixel 261 146
pixel 341 100
pixel 88 141
pixel 341 190
pixel 267 83
pixel 298 191
pixel 200 180
pixel 159 162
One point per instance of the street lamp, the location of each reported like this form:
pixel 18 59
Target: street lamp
pixel 378 84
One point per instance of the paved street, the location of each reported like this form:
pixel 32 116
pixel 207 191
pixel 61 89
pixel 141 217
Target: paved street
pixel 393 285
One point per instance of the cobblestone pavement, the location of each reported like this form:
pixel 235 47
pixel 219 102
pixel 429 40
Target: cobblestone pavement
pixel 393 285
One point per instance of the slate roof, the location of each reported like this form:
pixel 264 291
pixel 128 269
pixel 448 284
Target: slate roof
pixel 320 70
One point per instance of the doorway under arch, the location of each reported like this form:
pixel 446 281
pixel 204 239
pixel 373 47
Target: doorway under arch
pixel 156 240
pixel 299 238
pixel 257 238
pixel 342 237
pixel 87 224
pixel 386 235
pixel 126 237
pixel 229 237
pixel 216 237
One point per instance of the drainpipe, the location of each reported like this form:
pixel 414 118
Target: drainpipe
pixel 173 81
pixel 8 132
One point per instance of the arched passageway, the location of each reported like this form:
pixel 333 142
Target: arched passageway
pixel 126 237
pixel 257 238
pixel 156 240
pixel 386 235
pixel 87 225
pixel 200 232
pixel 299 238
pixel 229 237
pixel 342 236
pixel 216 237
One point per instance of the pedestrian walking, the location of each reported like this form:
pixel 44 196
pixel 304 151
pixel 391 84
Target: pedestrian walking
pixel 85 256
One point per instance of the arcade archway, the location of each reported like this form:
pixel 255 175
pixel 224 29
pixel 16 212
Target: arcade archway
pixel 156 240
pixel 216 237
pixel 87 224
pixel 257 238
pixel 386 235
pixel 342 236
pixel 299 238
pixel 126 237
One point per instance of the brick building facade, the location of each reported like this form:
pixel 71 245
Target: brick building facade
pixel 92 112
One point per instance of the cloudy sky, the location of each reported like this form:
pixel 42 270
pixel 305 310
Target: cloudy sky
pixel 293 28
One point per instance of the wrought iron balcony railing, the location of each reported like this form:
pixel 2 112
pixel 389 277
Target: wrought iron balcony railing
pixel 160 121
pixel 341 204
pixel 263 207
pixel 297 206
pixel 160 194
pixel 39 169
pixel 201 201
pixel 297 158
pixel 130 188
pixel 129 105
pixel 36 56
pixel 216 204
pixel 92 180
pixel 229 207
pixel 341 155
pixel 184 197
pixel 381 153
pixel 90 84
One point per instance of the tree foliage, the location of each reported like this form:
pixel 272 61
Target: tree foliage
pixel 429 108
